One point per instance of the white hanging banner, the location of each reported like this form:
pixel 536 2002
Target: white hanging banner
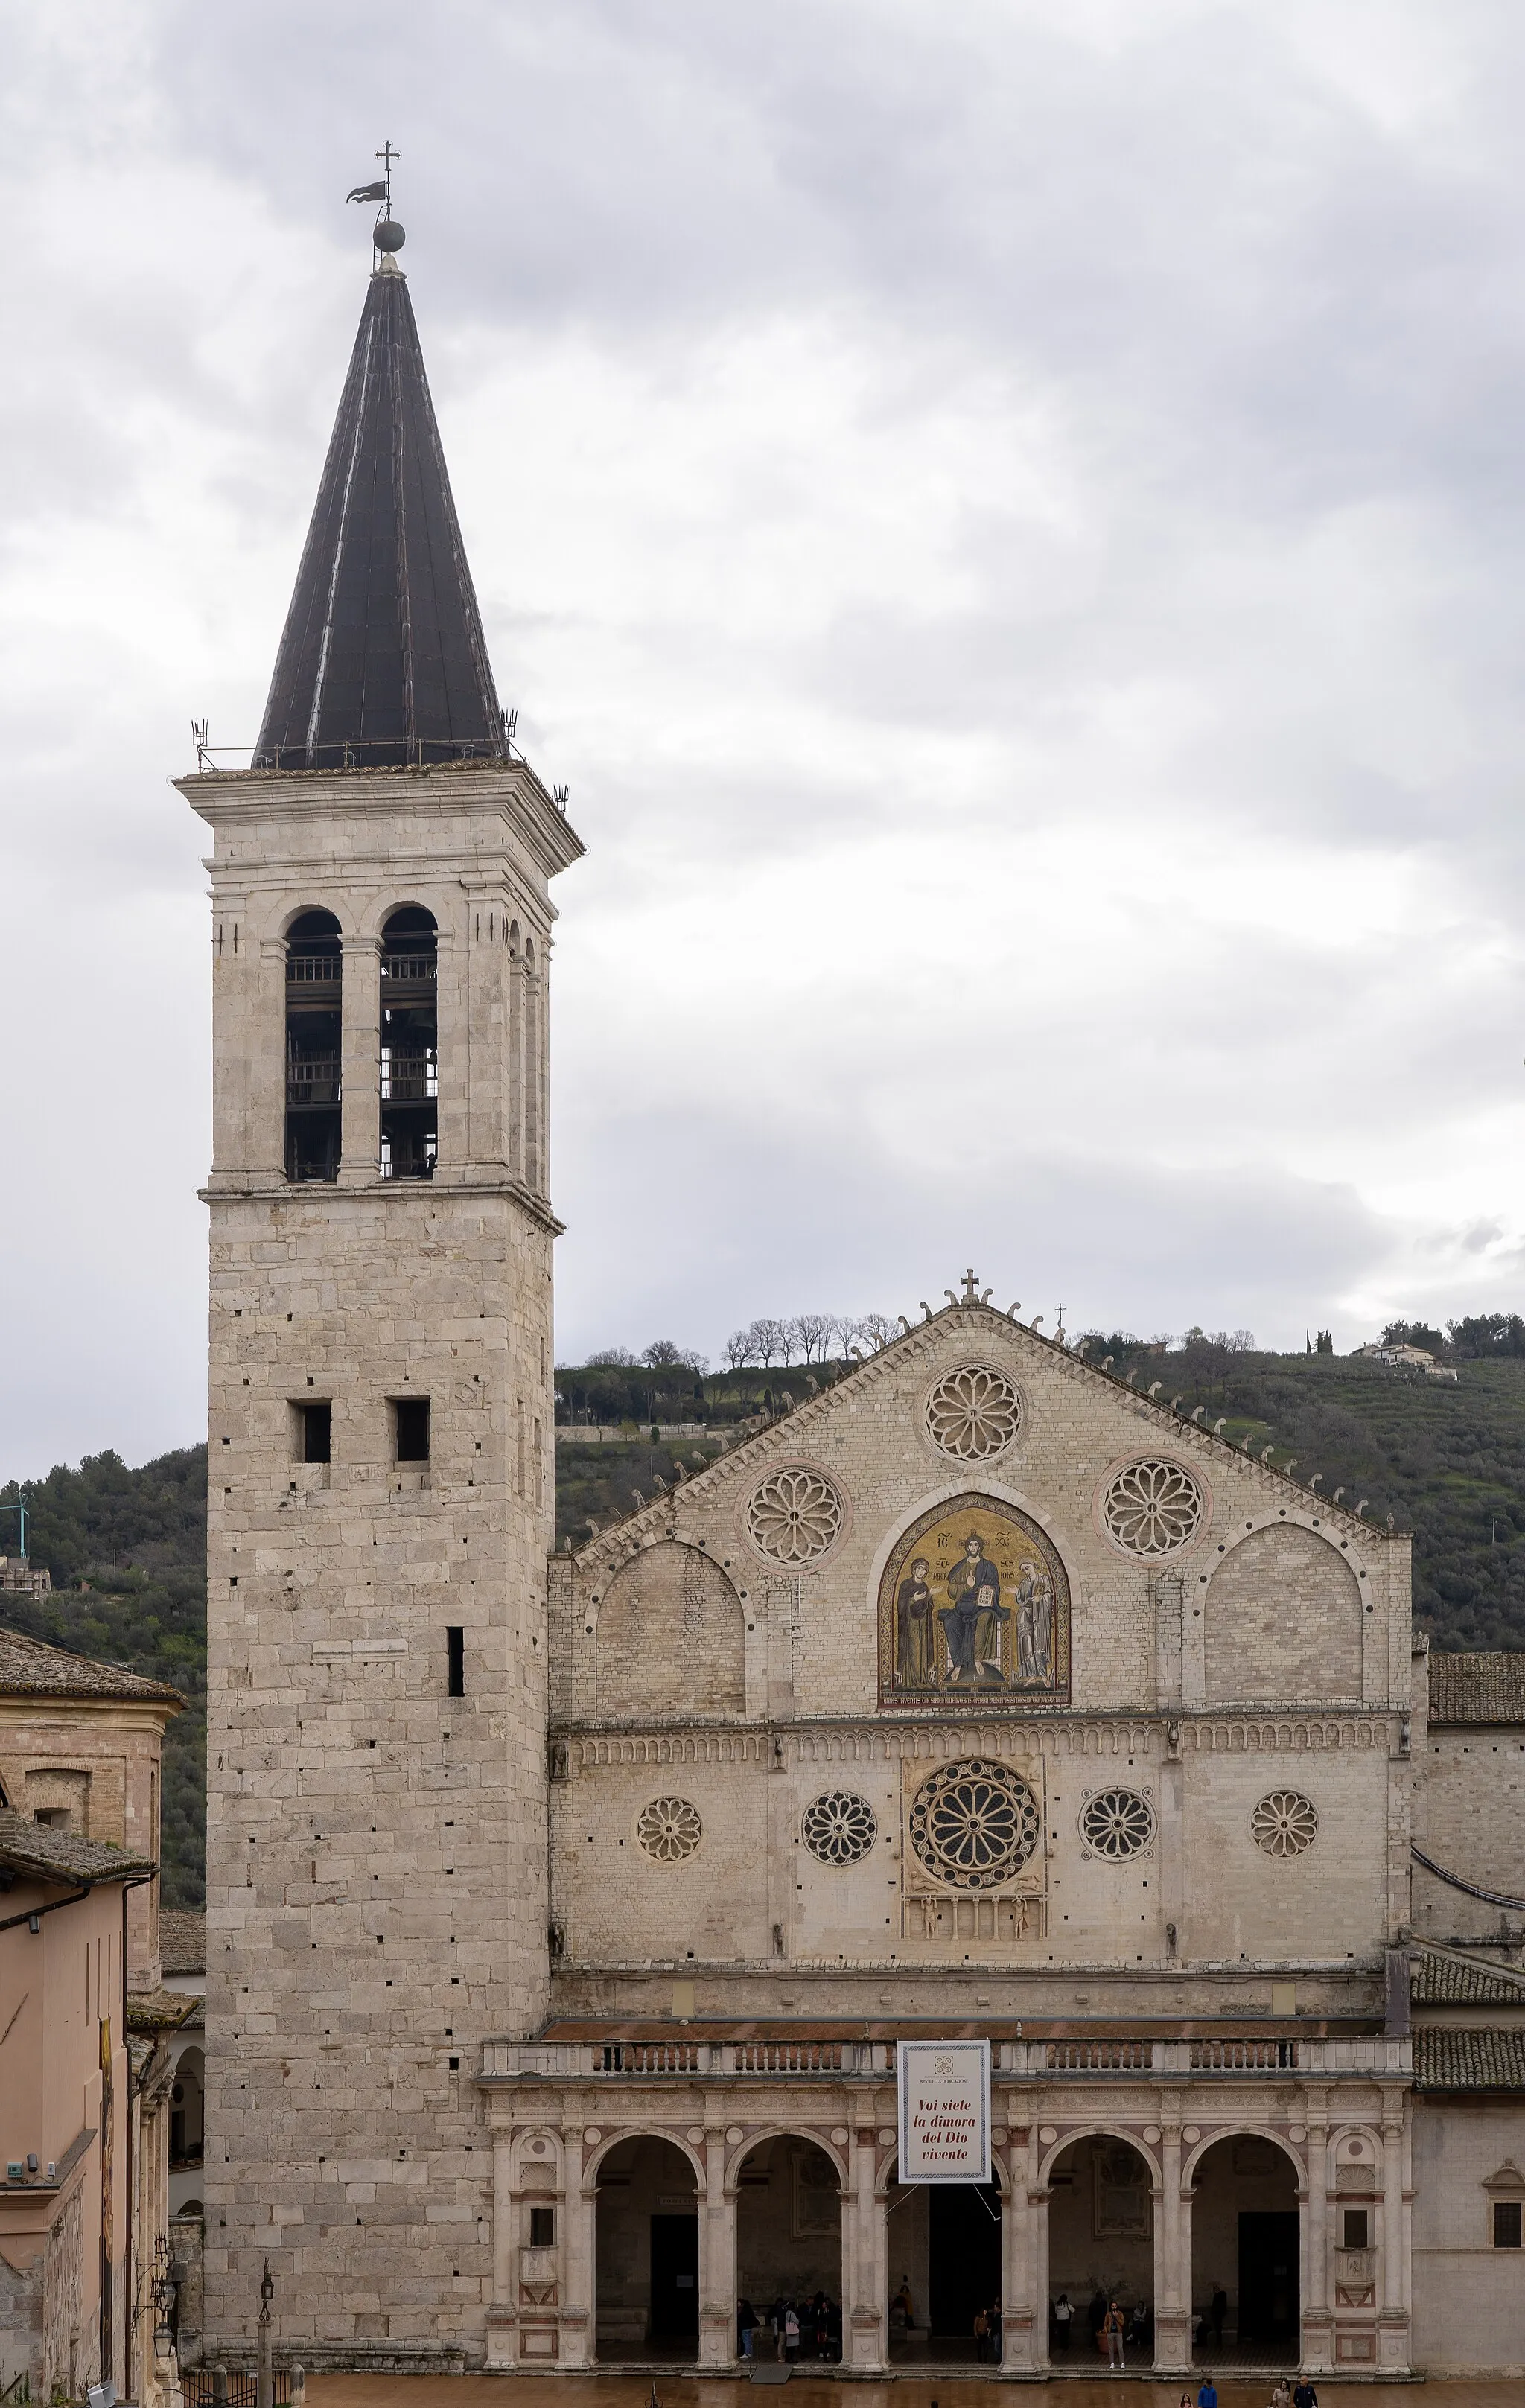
pixel 944 2090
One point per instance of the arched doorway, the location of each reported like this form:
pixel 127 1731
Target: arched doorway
pixel 1101 2248
pixel 943 2259
pixel 647 2251
pixel 1244 2240
pixel 788 2243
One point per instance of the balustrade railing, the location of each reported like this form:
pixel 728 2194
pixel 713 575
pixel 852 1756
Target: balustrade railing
pixel 1032 2061
pixel 313 970
pixel 1245 2055
pixel 647 2057
pixel 408 1078
pixel 1099 2057
pixel 788 2057
pixel 312 1078
pixel 409 969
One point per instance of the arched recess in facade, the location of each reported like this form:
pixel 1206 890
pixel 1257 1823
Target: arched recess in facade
pixel 1248 2245
pixel 788 2192
pixel 945 2248
pixel 1103 2222
pixel 647 2193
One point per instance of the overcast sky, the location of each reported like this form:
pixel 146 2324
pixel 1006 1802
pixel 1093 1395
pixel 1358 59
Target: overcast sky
pixel 1011 522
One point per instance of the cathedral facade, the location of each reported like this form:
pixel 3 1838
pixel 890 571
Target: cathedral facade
pixel 566 1910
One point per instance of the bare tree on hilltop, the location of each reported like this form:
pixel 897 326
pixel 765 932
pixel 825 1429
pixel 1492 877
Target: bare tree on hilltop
pixel 808 1338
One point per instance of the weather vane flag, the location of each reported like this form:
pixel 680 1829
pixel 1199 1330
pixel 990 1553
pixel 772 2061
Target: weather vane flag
pixel 386 234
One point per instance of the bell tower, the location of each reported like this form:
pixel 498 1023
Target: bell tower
pixel 379 1443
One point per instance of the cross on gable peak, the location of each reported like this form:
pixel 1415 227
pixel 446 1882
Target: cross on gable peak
pixel 972 1287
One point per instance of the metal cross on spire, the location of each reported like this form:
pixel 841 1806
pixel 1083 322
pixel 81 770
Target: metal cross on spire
pixel 387 155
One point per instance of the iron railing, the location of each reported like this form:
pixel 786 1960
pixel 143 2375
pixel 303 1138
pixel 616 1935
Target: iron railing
pixel 198 2384
pixel 410 969
pixel 408 1078
pixel 313 970
pixel 312 1078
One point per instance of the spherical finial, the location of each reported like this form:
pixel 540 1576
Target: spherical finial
pixel 387 235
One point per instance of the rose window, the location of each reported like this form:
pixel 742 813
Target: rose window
pixel 1284 1822
pixel 1118 1823
pixel 669 1830
pixel 974 1824
pixel 973 1414
pixel 838 1828
pixel 793 1516
pixel 1154 1508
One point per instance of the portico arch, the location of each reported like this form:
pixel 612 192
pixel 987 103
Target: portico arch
pixel 1104 2193
pixel 647 2189
pixel 1247 2191
pixel 788 2189
pixel 943 2250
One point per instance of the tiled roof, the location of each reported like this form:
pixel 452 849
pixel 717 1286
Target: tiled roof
pixel 1477 1688
pixel 1437 1981
pixel 46 1854
pixel 31 1669
pixel 182 1941
pixel 160 2009
pixel 1458 2059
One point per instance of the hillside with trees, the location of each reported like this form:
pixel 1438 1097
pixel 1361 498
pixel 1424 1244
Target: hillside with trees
pixel 126 1548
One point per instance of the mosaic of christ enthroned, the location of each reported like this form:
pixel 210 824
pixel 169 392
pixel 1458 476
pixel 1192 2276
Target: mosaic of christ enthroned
pixel 973 1609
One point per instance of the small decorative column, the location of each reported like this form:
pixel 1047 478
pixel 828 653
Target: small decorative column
pixel 1038 2196
pixel 578 2208
pixel 360 1037
pixel 1172 2261
pixel 717 2256
pixel 1392 2316
pixel 1317 2323
pixel 502 2313
pixel 865 2259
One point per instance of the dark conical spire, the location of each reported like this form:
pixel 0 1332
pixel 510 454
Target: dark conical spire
pixel 383 661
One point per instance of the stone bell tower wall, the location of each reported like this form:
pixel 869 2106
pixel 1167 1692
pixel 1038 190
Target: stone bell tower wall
pixel 376 1841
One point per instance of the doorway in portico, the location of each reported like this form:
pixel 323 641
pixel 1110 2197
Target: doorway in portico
pixel 646 2242
pixel 1100 2249
pixel 1244 2288
pixel 945 2268
pixel 788 2243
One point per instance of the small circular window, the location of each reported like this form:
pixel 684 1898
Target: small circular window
pixel 838 1828
pixel 1118 1823
pixel 1154 1508
pixel 794 1516
pixel 973 1414
pixel 1284 1822
pixel 975 1824
pixel 669 1830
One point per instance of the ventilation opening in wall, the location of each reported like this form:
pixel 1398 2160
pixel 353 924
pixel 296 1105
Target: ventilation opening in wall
pixel 313 1435
pixel 314 974
pixel 411 1429
pixel 409 1045
pixel 454 1660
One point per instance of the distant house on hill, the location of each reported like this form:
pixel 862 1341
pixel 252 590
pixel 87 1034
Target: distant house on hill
pixel 1406 1359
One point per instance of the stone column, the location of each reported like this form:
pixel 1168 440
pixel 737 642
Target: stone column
pixel 717 2256
pixel 1392 2312
pixel 579 2301
pixel 1172 2261
pixel 1024 2319
pixel 1038 2195
pixel 1317 2324
pixel 360 1105
pixel 864 2258
pixel 501 2317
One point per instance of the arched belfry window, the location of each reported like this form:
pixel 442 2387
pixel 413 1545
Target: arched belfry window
pixel 409 1045
pixel 314 976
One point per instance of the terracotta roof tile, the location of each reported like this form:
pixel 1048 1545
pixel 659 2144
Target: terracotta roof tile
pixel 1477 1688
pixel 1458 2059
pixel 29 1668
pixel 46 1854
pixel 182 1941
pixel 1437 1981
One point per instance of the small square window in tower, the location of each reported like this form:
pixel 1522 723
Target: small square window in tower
pixel 411 1429
pixel 409 1045
pixel 314 1432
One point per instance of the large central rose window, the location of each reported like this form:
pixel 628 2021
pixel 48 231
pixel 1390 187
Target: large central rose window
pixel 974 1824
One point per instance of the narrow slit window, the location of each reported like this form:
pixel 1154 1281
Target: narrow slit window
pixel 1354 2227
pixel 454 1660
pixel 314 1432
pixel 1506 2223
pixel 411 1420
